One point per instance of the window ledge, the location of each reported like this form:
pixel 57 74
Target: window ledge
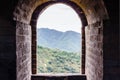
pixel 47 76
pixel 58 74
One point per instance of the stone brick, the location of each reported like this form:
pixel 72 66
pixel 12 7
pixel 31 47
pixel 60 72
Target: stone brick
pixel 23 47
pixel 94 69
pixel 102 39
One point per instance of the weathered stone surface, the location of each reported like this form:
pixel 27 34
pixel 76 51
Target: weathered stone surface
pixel 23 51
pixel 95 12
pixel 94 53
pixel 17 44
pixel 23 29
pixel 25 8
pixel 92 9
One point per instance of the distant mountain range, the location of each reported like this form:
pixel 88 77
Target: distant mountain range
pixel 67 41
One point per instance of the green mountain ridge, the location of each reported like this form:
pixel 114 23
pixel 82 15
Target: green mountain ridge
pixel 68 41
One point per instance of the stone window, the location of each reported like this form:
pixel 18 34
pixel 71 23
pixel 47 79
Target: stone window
pixel 34 32
pixel 59 41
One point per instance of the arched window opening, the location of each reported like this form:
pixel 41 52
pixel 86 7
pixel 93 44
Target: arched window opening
pixel 59 40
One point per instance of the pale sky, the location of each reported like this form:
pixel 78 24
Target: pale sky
pixel 59 17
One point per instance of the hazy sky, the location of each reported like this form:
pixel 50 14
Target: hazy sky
pixel 59 17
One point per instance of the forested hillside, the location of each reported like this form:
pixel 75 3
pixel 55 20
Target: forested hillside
pixel 57 61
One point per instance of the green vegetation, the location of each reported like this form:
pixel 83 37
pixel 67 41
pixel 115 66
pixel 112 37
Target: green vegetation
pixel 57 61
pixel 69 41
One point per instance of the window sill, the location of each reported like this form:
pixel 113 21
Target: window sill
pixel 58 77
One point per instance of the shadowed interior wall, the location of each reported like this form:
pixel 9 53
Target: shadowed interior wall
pixel 111 47
pixel 7 40
pixel 13 41
pixel 7 50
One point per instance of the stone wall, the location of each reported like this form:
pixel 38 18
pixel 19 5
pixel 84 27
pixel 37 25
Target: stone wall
pixel 7 50
pixel 23 51
pixel 102 52
pixel 23 13
pixel 67 77
pixel 111 43
pixel 111 52
pixel 94 51
pixel 7 40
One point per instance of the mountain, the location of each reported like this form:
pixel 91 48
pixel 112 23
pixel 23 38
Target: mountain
pixel 56 61
pixel 67 41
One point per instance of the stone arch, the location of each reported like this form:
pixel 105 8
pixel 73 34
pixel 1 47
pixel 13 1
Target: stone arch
pixel 34 18
pixel 25 8
pixel 23 14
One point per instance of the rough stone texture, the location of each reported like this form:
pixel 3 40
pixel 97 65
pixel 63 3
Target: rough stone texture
pixel 92 9
pixel 94 51
pixel 33 23
pixel 23 51
pixel 93 12
pixel 25 8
